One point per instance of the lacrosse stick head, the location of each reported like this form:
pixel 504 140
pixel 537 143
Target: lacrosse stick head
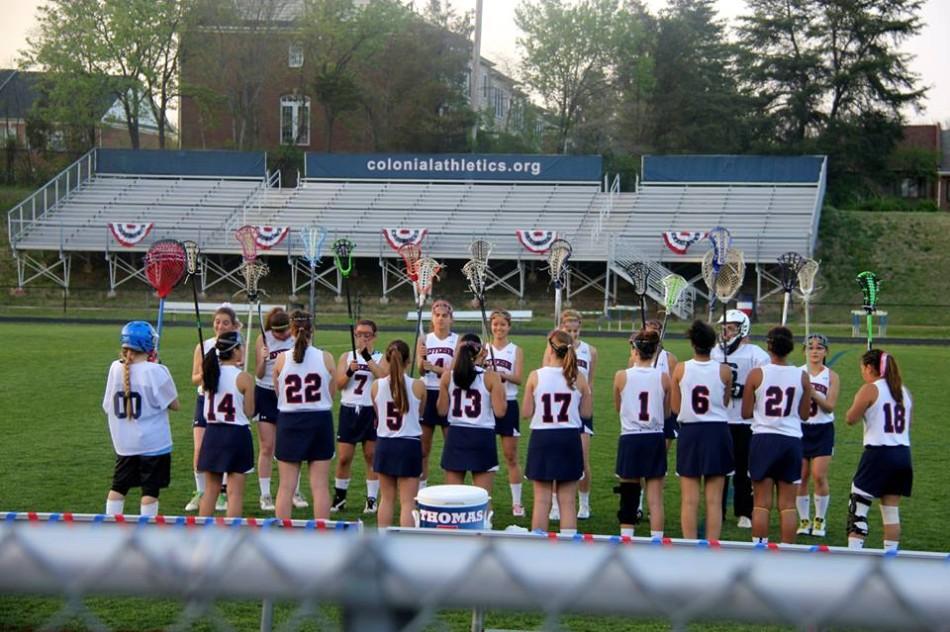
pixel 474 273
pixel 870 287
pixel 165 264
pixel 311 242
pixel 638 271
pixel 343 256
pixel 789 265
pixel 247 237
pixel 191 256
pixel 480 251
pixel 411 254
pixel 806 276
pixel 673 286
pixel 731 275
pixel 709 270
pixel 558 255
pixel 253 272
pixel 721 241
pixel 426 270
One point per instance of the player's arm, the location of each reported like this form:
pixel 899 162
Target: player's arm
pixel 527 405
pixel 804 404
pixel 260 357
pixel 827 402
pixel 587 401
pixel 752 382
pixel 378 369
pixel 421 350
pixel 331 367
pixel 245 384
pixel 197 372
pixel 499 403
pixel 419 390
pixel 442 404
pixel 667 391
pixel 593 367
pixel 620 381
pixel 676 397
pixel 863 399
pixel 344 371
pixel 517 372
pixel 278 367
pixel 671 361
pixel 725 374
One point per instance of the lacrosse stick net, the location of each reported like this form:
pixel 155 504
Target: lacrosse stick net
pixel 410 253
pixel 673 286
pixel 558 255
pixel 475 273
pixel 311 243
pixel 253 272
pixel 730 276
pixel 165 264
pixel 246 236
pixel 789 264
pixel 424 273
pixel 721 240
pixel 639 272
pixel 870 288
pixel 343 260
pixel 191 267
pixel 806 284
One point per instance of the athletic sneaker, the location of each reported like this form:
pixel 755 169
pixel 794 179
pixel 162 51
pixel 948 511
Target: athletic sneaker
pixel 584 512
pixel 804 527
pixel 194 503
pixel 267 503
pixel 818 527
pixel 300 502
pixel 744 522
pixel 339 504
pixel 555 513
pixel 370 506
pixel 222 503
pixel 517 511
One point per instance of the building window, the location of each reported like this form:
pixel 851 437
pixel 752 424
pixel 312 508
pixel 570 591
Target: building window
pixel 295 55
pixel 294 120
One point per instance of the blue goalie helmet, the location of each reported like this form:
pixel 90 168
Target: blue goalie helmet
pixel 139 335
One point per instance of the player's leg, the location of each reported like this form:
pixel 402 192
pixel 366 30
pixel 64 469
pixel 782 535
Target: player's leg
pixel 197 433
pixel 689 505
pixel 655 503
pixel 319 487
pixel 741 484
pixel 408 489
pixel 236 482
pixel 485 480
pixel 427 432
pixel 387 501
pixel 890 516
pixel 787 513
pixel 210 497
pixel 454 478
pixel 713 492
pixel 629 491
pixel 344 465
pixel 802 500
pixel 124 475
pixel 372 478
pixel 542 505
pixel 762 492
pixel 858 506
pixel 288 472
pixel 819 473
pixel 566 497
pixel 583 486
pixel 155 474
pixel 266 435
pixel 509 449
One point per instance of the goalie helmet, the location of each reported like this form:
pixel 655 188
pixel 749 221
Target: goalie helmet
pixel 139 335
pixel 738 318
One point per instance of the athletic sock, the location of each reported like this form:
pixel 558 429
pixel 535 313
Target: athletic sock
pixel 855 543
pixel 756 540
pixel 626 532
pixel 891 545
pixel 115 507
pixel 584 498
pixel 224 483
pixel 372 488
pixel 297 489
pixel 150 509
pixel 656 535
pixel 554 504
pixel 640 504
pixel 821 506
pixel 265 485
pixel 515 493
pixel 802 504
pixel 199 482
pixel 341 485
pixel 568 532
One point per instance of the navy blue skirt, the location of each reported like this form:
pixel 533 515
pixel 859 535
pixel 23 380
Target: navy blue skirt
pixel 554 455
pixel 775 456
pixel 430 415
pixel 510 424
pixel 641 455
pixel 265 404
pixel 399 457
pixel 469 450
pixel 885 471
pixel 818 440
pixel 226 448
pixel 356 427
pixel 199 421
pixel 704 449
pixel 305 436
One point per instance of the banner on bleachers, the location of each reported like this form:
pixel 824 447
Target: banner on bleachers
pixel 269 236
pixel 732 169
pixel 536 241
pixel 399 237
pixel 130 234
pixel 520 167
pixel 216 164
pixel 680 241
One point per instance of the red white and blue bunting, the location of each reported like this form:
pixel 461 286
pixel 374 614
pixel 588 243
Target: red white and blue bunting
pixel 130 234
pixel 399 237
pixel 269 236
pixel 536 241
pixel 680 241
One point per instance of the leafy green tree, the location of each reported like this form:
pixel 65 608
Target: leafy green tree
pixel 635 75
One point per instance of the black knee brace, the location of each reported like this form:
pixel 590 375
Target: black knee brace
pixel 858 507
pixel 629 503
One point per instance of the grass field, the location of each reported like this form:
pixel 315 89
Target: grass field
pixel 56 454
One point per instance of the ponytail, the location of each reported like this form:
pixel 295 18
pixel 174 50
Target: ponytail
pixel 885 365
pixel 563 347
pixel 127 355
pixel 224 349
pixel 646 342
pixel 301 327
pixel 397 355
pixel 463 372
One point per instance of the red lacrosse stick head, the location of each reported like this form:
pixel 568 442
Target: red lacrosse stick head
pixel 247 236
pixel 165 264
pixel 411 253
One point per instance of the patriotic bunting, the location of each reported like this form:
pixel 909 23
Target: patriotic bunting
pixel 269 236
pixel 130 234
pixel 399 237
pixel 536 241
pixel 680 241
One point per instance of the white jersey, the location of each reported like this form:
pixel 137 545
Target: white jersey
pixel 556 406
pixel 152 390
pixel 305 386
pixel 886 422
pixel 471 407
pixel 391 424
pixel 641 401
pixel 505 365
pixel 663 361
pixel 440 352
pixel 226 405
pixel 822 384
pixel 776 401
pixel 701 393
pixel 206 346
pixel 741 361
pixel 357 391
pixel 274 347
pixel 582 351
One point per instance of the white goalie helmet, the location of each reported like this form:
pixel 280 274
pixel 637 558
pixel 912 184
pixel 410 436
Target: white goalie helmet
pixel 741 320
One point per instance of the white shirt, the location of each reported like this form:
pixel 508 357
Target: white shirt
pixel 887 423
pixel 556 406
pixel 274 347
pixel 741 361
pixel 701 393
pixel 391 424
pixel 358 390
pixel 471 407
pixel 776 401
pixel 641 401
pixel 663 361
pixel 505 365
pixel 206 346
pixel 582 351
pixel 226 404
pixel 152 390
pixel 822 384
pixel 440 352
pixel 304 386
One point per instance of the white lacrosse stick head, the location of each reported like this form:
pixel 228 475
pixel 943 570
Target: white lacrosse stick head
pixel 731 275
pixel 721 239
pixel 426 270
pixel 191 257
pixel 247 236
pixel 480 251
pixel 673 286
pixel 806 276
pixel 709 270
pixel 638 271
pixel 411 254
pixel 558 255
pixel 311 242
pixel 253 272
pixel 475 275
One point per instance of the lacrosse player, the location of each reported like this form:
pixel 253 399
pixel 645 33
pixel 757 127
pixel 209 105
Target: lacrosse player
pixel 509 366
pixel 434 355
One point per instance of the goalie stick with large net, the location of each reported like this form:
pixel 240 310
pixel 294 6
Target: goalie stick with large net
pixel 728 282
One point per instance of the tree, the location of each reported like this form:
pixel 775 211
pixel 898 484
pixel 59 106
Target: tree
pixel 635 75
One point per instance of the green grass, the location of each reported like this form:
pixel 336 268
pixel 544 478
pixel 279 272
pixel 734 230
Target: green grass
pixel 56 454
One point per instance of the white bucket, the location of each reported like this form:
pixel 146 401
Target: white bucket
pixel 452 507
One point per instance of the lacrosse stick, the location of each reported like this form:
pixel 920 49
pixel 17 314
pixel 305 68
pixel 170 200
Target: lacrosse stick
pixel 253 271
pixel 558 255
pixel 475 272
pixel 424 273
pixel 806 284
pixel 343 260
pixel 165 264
pixel 673 286
pixel 639 272
pixel 709 278
pixel 246 236
pixel 789 265
pixel 728 282
pixel 191 267
pixel 870 287
pixel 311 242
pixel 721 240
pixel 411 253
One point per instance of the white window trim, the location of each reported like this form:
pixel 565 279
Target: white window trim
pixel 295 56
pixel 296 103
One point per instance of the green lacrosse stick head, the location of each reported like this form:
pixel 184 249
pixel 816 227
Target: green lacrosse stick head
pixel 343 256
pixel 673 286
pixel 870 287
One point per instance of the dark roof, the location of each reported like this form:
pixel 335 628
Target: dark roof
pixel 20 89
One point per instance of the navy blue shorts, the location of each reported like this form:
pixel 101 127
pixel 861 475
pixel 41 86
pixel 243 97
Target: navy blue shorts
pixel 226 448
pixel 469 450
pixel 641 455
pixel 356 427
pixel 431 416
pixel 885 471
pixel 305 436
pixel 554 455
pixel 775 456
pixel 199 420
pixel 265 404
pixel 704 449
pixel 587 425
pixel 818 440
pixel 151 473
pixel 671 427
pixel 399 457
pixel 510 424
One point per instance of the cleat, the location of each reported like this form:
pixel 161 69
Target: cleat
pixel 222 503
pixel 583 513
pixel 267 503
pixel 804 527
pixel 744 522
pixel 194 503
pixel 517 511
pixel 555 513
pixel 339 504
pixel 370 506
pixel 818 527
pixel 299 501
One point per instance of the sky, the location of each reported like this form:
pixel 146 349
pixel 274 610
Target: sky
pixel 931 46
